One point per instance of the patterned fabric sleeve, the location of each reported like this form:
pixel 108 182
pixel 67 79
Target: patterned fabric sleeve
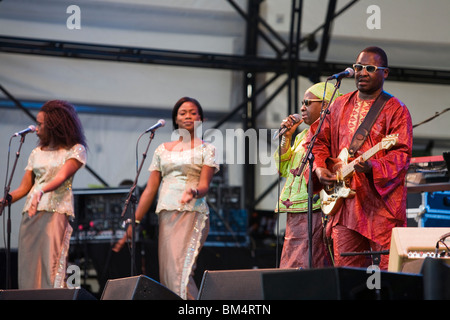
pixel 156 161
pixel 209 157
pixel 78 152
pixel 31 160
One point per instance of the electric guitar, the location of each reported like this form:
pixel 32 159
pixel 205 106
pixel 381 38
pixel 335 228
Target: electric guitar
pixel 332 196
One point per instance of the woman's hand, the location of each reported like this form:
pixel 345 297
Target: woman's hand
pixel 35 199
pixel 188 195
pixel 119 244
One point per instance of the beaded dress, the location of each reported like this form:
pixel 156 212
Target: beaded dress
pixel 44 238
pixel 182 228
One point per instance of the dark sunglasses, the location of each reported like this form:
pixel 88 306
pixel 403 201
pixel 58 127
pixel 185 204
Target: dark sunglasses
pixel 369 68
pixel 307 102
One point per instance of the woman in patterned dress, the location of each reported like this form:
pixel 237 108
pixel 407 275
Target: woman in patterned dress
pixel 45 231
pixel 181 170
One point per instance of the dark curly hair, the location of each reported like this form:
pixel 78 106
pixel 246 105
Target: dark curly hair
pixel 178 105
pixel 63 127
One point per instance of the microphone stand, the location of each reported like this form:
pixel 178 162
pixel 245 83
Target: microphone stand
pixel 309 157
pixel 7 200
pixel 132 198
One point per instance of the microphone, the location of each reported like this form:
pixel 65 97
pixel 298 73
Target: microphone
pixel 160 123
pixel 25 131
pixel 347 73
pixel 283 129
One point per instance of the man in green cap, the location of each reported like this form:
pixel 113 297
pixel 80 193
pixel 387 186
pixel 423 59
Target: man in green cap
pixel 294 196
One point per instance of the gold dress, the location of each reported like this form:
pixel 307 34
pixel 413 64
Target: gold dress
pixel 44 238
pixel 182 228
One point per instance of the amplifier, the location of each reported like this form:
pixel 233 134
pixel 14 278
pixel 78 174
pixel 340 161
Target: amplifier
pixel 228 222
pixel 228 227
pixel 412 244
pixel 98 214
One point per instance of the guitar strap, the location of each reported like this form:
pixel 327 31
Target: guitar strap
pixel 363 130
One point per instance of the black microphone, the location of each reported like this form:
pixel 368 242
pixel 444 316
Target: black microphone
pixel 283 129
pixel 347 73
pixel 25 131
pixel 160 123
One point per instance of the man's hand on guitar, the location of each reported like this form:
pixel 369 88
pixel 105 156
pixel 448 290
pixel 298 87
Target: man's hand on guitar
pixel 363 166
pixel 325 176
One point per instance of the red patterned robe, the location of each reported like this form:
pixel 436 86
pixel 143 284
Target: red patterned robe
pixel 380 201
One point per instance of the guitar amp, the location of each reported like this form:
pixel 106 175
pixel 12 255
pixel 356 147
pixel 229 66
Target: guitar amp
pixel 412 244
pixel 98 214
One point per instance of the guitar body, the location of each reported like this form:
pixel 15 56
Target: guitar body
pixel 332 196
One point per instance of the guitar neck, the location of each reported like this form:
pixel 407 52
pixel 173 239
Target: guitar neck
pixel 350 167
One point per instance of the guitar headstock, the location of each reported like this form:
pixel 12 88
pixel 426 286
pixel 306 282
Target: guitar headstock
pixel 389 141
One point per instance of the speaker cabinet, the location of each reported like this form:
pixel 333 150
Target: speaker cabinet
pixel 234 284
pixel 46 294
pixel 137 288
pixel 340 284
pixel 436 279
pixel 410 246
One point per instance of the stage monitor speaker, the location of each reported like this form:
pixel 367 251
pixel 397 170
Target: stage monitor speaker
pixel 436 279
pixel 46 294
pixel 340 284
pixel 137 288
pixel 234 284
pixel 410 246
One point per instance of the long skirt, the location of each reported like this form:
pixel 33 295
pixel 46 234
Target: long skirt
pixel 181 237
pixel 44 241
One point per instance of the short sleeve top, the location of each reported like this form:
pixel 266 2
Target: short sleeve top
pixel 45 166
pixel 180 170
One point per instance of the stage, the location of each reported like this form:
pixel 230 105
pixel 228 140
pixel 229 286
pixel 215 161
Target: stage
pixel 237 274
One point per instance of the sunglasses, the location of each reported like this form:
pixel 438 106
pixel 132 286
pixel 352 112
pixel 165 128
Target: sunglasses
pixel 307 102
pixel 369 68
